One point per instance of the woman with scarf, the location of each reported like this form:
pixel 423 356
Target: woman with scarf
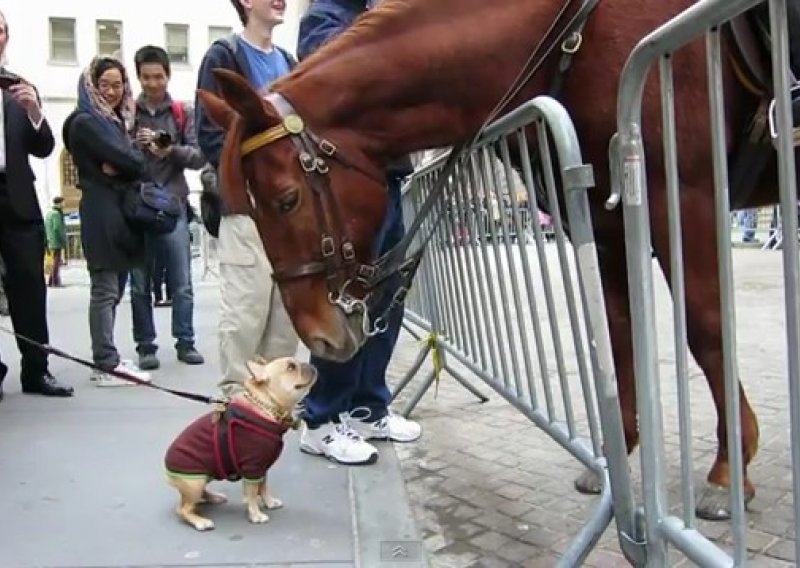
pixel 109 165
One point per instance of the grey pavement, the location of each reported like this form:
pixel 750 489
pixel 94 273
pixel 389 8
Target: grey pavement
pixel 490 489
pixel 486 487
pixel 84 483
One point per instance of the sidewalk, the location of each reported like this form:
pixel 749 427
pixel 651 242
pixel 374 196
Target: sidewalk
pixel 84 484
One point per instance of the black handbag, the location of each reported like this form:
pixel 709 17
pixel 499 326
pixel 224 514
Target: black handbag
pixel 152 208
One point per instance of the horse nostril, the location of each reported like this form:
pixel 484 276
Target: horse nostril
pixel 322 346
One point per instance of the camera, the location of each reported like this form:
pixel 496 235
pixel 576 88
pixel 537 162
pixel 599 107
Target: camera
pixel 8 79
pixel 162 138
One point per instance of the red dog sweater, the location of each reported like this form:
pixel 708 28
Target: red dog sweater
pixel 241 444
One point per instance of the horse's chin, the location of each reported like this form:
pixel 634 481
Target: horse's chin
pixel 340 340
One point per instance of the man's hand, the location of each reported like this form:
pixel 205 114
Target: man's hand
pixel 144 136
pixel 25 95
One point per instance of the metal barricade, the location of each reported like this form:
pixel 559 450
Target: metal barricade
pixel 703 19
pixel 528 320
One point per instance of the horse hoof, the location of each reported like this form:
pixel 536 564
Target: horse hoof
pixel 715 503
pixel 588 483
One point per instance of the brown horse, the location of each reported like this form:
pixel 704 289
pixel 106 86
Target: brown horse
pixel 417 74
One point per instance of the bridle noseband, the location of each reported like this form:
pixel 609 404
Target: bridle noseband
pixel 337 260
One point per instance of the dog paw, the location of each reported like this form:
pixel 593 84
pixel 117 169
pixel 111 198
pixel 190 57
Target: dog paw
pixel 204 524
pixel 258 517
pixel 271 502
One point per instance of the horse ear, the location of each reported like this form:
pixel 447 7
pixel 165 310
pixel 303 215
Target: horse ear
pixel 241 97
pixel 217 109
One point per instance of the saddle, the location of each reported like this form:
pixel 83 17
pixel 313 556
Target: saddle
pixel 750 51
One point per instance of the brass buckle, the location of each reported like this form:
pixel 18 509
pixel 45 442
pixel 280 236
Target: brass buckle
pixel 573 43
pixel 327 148
pixel 328 247
pixel 307 162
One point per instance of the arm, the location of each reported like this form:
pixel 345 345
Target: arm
pixel 124 157
pixel 188 153
pixel 209 135
pixel 40 139
pixel 322 22
pixel 37 136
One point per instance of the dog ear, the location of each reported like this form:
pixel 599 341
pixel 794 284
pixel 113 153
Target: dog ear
pixel 258 372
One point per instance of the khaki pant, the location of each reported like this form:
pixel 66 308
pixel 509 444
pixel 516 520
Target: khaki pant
pixel 253 320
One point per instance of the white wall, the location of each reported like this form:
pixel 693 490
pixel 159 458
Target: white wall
pixel 142 23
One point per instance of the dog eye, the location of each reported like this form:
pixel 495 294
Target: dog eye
pixel 291 367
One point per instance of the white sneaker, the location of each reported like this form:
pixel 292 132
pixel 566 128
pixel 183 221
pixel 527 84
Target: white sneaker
pixel 338 442
pixel 391 427
pixel 126 366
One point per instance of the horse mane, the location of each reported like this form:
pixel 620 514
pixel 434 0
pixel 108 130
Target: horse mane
pixel 367 26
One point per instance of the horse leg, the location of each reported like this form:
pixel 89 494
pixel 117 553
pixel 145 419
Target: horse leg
pixel 614 274
pixel 704 329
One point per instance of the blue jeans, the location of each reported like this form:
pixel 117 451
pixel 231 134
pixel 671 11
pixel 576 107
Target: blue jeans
pixel 177 253
pixel 361 381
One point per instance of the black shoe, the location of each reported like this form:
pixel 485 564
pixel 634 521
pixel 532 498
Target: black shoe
pixel 46 385
pixel 189 355
pixel 148 362
pixel 3 372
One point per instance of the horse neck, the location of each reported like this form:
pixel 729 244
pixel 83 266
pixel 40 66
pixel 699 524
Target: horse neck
pixel 399 92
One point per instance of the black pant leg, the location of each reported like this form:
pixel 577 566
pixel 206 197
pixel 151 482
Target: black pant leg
pixel 22 246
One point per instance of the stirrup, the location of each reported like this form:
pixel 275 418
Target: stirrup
pixel 794 93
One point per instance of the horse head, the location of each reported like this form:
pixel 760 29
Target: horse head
pixel 318 206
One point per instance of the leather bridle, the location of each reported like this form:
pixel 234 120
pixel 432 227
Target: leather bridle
pixel 337 260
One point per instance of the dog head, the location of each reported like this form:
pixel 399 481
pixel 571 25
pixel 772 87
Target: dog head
pixel 282 382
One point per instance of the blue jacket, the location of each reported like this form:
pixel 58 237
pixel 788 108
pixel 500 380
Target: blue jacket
pixel 324 20
pixel 226 54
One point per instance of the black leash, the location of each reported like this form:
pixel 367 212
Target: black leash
pixel 119 374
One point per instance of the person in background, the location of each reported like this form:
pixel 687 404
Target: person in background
pixel 349 404
pixel 56 232
pixel 164 131
pixel 109 164
pixel 253 321
pixel 24 132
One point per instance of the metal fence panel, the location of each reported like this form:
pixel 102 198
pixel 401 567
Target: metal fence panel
pixel 527 316
pixel 703 19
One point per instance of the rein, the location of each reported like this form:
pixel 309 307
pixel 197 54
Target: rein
pixel 337 252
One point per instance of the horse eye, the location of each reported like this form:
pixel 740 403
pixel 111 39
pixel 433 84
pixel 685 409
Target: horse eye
pixel 287 202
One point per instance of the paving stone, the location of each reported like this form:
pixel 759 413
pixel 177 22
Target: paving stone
pixel 498 457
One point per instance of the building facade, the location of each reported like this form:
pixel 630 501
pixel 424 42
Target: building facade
pixel 51 41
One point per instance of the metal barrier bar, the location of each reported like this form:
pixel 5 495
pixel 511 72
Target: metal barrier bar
pixel 791 269
pixel 629 182
pixel 728 311
pixel 678 290
pixel 484 288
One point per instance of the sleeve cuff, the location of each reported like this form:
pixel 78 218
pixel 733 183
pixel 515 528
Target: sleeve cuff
pixel 38 124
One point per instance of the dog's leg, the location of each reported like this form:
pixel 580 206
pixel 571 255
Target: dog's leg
pixel 191 491
pixel 253 499
pixel 214 498
pixel 268 500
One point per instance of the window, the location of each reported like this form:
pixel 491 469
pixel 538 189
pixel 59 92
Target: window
pixel 69 174
pixel 109 38
pixel 62 40
pixel 177 42
pixel 218 32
